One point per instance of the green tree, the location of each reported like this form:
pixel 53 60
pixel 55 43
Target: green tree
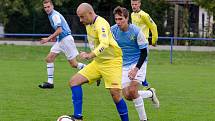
pixel 23 15
pixel 207 4
pixel 27 16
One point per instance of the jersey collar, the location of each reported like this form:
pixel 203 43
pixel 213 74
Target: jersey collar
pixel 95 19
pixel 51 12
pixel 138 11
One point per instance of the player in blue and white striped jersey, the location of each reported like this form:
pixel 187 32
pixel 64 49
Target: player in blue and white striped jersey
pixel 64 43
pixel 135 51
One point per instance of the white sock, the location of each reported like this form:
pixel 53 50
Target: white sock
pixel 139 105
pixel 50 72
pixel 145 94
pixel 80 66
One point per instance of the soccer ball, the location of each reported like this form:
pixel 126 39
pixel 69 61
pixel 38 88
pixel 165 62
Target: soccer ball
pixel 64 118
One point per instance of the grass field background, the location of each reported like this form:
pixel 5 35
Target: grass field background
pixel 185 88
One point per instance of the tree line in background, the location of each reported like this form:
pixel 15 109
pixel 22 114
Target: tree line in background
pixel 27 16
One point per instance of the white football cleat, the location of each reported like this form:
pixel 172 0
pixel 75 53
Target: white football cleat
pixel 154 98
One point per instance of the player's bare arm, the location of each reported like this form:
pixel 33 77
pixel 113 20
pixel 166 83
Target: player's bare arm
pixel 52 37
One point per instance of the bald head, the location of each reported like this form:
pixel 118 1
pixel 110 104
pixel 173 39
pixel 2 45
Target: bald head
pixel 86 13
pixel 85 7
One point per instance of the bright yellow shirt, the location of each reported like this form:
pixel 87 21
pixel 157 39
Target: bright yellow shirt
pixel 101 41
pixel 144 22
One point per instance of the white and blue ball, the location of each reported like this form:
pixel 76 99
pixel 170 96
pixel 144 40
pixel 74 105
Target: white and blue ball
pixel 64 118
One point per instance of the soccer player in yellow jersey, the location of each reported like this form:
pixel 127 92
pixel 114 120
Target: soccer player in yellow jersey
pixel 143 21
pixel 107 58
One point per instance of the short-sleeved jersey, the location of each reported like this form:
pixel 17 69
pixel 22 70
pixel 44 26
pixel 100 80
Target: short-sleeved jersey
pixel 130 42
pixel 57 20
pixel 101 41
pixel 144 22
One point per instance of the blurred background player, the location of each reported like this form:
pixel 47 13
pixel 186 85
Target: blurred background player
pixel 135 50
pixel 145 23
pixel 64 43
pixel 107 58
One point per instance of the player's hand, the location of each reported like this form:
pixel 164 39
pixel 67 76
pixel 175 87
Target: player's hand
pixel 53 39
pixel 84 55
pixel 132 73
pixel 154 44
pixel 44 40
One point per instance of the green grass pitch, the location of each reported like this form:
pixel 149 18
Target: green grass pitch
pixel 185 88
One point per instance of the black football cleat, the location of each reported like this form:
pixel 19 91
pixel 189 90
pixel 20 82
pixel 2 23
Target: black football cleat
pixel 76 119
pixel 98 82
pixel 46 85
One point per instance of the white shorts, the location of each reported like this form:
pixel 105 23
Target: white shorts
pixel 140 77
pixel 67 46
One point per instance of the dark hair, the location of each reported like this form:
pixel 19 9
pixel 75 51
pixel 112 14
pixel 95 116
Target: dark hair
pixel 121 11
pixel 47 1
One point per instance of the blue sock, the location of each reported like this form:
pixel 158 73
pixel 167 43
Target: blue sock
pixel 77 95
pixel 145 83
pixel 122 109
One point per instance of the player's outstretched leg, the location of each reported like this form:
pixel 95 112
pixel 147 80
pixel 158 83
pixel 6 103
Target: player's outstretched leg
pixel 150 93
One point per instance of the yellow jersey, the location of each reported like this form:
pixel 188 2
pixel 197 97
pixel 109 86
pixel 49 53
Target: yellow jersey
pixel 144 22
pixel 101 41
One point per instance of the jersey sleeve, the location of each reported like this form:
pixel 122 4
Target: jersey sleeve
pixel 56 20
pixel 103 32
pixel 141 40
pixel 152 26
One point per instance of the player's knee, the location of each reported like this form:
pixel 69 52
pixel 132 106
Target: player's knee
pixel 126 94
pixel 73 81
pixel 77 79
pixel 116 96
pixel 128 97
pixel 131 95
pixel 70 83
